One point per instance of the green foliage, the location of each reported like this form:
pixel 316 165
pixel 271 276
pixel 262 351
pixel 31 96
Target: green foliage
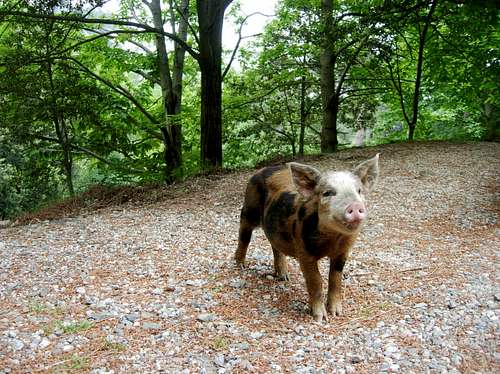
pixel 460 72
pixel 26 182
pixel 276 96
pixel 10 199
pixel 90 113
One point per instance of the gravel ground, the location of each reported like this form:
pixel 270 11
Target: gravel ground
pixel 153 288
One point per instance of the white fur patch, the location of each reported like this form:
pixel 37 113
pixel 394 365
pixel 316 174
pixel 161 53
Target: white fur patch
pixel 343 182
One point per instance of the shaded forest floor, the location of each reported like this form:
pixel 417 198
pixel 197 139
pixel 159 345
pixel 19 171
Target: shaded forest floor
pixel 142 280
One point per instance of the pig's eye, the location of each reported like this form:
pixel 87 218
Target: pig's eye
pixel 359 191
pixel 329 193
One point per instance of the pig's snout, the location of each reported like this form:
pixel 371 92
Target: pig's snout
pixel 355 213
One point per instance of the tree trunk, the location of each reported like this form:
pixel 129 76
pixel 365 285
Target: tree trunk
pixel 329 101
pixel 303 114
pixel 58 119
pixel 411 130
pixel 329 141
pixel 210 21
pixel 179 53
pixel 211 117
pixel 490 119
pixel 418 78
pixel 171 91
pixel 61 132
pixel 67 158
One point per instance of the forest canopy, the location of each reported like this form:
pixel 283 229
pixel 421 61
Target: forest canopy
pixel 148 93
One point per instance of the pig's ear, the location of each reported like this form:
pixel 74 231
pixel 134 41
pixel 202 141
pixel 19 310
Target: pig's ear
pixel 304 177
pixel 368 172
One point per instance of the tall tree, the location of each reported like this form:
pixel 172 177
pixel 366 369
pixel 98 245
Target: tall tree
pixel 276 97
pixel 171 81
pixel 411 20
pixel 49 104
pixel 345 33
pixel 209 57
pixel 329 103
pixel 210 22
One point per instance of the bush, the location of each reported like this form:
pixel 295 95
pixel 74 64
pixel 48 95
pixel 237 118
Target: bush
pixel 10 198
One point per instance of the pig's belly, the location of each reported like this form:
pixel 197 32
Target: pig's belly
pixel 283 242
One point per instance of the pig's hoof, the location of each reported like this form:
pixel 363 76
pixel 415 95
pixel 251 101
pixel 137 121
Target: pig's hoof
pixel 319 312
pixel 335 308
pixel 240 264
pixel 283 277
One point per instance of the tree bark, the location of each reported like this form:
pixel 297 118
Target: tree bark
pixel 210 22
pixel 329 140
pixel 418 78
pixel 303 114
pixel 171 86
pixel 60 127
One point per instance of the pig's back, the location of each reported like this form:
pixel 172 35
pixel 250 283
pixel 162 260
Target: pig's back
pixel 275 180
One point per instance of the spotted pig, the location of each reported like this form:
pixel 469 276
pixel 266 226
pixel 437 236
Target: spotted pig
pixel 308 215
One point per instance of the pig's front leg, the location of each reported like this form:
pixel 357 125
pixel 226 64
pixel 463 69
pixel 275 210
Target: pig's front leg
pixel 314 288
pixel 334 300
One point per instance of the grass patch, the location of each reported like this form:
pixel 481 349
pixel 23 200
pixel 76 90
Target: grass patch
pixel 74 363
pixel 113 346
pixel 217 289
pixel 220 343
pixel 75 327
pixel 58 311
pixel 67 328
pixel 37 307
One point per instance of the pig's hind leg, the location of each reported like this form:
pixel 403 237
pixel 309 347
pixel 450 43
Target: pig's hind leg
pixel 280 266
pixel 250 219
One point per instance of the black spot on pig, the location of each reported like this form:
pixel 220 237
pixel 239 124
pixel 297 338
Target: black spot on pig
pixel 246 235
pixel 302 213
pixel 251 215
pixel 261 193
pixel 270 170
pixel 278 212
pixel 310 235
pixel 338 264
pixel 285 235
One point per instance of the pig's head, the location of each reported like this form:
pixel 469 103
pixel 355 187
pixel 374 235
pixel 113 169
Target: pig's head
pixel 340 196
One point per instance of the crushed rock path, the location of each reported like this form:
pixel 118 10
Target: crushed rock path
pixel 153 288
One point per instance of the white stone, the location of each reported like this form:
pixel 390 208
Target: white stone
pixel 44 343
pixel 80 290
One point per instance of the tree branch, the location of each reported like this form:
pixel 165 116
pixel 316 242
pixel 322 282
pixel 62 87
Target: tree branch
pixel 120 90
pixel 310 127
pixel 88 152
pixel 259 97
pixel 349 64
pixel 379 90
pixel 101 35
pixel 103 21
pixel 235 49
pixel 186 20
pixel 147 76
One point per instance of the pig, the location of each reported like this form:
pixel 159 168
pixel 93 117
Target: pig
pixel 308 215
